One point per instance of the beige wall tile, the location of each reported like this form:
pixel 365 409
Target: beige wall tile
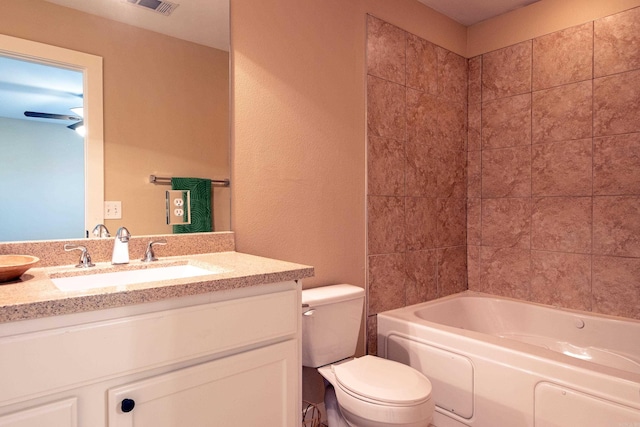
pixel 616 286
pixel 452 222
pixel 506 122
pixel 386 281
pixel 616 225
pixel 421 115
pixel 421 221
pixel 451 169
pixel 421 167
pixel 561 224
pixel 562 168
pixel 386 225
pixel 422 65
pixel 474 127
pixel 563 57
pixel 385 167
pixel 452 270
pixel 386 47
pixel 474 221
pixel 452 123
pixel 452 76
pixel 506 172
pixel 474 174
pixel 507 71
pixel 421 276
pixel 475 80
pixel 616 165
pixel 561 279
pixel 562 113
pixel 385 108
pixel 616 104
pixel 616 40
pixel 505 272
pixel 473 268
pixel 506 222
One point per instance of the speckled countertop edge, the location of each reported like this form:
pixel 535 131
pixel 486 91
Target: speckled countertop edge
pixel 35 295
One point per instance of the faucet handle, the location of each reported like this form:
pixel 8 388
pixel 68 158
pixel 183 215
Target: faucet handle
pixel 85 258
pixel 148 254
pixel 101 230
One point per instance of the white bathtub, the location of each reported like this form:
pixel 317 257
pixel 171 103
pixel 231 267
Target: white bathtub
pixel 497 362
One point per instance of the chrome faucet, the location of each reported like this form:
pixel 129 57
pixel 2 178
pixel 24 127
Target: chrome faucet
pixel 148 254
pixel 85 258
pixel 121 247
pixel 101 230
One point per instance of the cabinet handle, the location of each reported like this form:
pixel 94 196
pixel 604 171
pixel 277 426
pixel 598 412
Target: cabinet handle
pixel 127 405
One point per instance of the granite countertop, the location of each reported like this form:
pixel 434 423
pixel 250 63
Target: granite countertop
pixel 34 295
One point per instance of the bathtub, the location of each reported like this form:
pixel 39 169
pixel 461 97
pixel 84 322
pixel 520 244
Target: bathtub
pixel 497 362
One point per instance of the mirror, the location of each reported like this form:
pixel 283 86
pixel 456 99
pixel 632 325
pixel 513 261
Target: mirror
pixel 46 167
pixel 165 100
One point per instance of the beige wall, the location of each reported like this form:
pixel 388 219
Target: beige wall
pixel 150 126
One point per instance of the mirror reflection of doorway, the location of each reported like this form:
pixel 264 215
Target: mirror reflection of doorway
pixel 42 183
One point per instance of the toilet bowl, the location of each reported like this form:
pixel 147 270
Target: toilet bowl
pixel 361 392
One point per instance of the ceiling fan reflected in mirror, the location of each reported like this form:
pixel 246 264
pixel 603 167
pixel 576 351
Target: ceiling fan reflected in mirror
pixel 78 118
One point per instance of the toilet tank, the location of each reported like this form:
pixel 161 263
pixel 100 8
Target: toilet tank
pixel 331 323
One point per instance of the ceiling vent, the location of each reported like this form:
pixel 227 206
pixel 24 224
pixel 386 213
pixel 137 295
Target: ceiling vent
pixel 163 7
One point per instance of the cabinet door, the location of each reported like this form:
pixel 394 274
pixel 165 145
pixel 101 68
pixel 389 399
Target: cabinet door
pixel 58 414
pixel 255 388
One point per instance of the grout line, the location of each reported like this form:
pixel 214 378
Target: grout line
pixel 593 153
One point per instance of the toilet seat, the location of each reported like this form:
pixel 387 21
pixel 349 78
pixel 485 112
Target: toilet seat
pixel 382 382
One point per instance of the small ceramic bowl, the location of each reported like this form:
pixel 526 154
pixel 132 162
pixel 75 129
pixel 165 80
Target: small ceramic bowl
pixel 14 266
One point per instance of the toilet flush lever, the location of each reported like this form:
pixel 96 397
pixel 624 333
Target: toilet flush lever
pixel 307 311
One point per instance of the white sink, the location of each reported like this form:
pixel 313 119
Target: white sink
pixel 130 277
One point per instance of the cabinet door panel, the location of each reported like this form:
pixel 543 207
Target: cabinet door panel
pixel 254 388
pixel 58 414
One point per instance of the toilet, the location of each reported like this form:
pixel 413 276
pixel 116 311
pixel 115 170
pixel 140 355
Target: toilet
pixel 368 391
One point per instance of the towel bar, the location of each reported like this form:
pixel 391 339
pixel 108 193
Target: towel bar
pixel 167 180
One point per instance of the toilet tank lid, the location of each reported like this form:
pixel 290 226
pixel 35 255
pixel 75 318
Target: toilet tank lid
pixel 331 294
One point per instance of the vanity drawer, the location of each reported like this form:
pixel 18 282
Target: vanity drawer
pixel 39 363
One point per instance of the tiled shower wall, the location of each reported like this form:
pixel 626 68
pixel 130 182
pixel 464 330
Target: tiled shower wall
pixel 416 195
pixel 554 168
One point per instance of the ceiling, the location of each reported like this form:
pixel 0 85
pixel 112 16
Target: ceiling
pixel 207 21
pixel 469 12
pixel 204 22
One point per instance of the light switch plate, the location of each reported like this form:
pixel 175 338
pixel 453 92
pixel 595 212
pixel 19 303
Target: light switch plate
pixel 178 207
pixel 113 210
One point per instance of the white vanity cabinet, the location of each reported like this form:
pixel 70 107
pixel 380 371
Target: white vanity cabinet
pixel 229 359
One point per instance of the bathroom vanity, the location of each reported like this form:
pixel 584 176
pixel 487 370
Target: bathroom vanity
pixel 220 349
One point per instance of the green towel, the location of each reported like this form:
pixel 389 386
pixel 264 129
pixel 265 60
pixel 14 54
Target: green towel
pixel 201 198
